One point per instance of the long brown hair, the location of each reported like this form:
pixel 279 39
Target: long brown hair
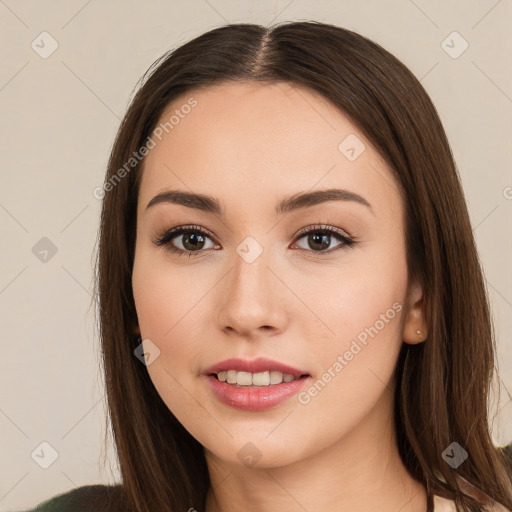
pixel 443 385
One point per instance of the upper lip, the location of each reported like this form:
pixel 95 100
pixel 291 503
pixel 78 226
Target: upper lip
pixel 261 364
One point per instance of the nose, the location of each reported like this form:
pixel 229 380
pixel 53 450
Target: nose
pixel 252 300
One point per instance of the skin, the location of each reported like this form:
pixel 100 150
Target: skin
pixel 251 145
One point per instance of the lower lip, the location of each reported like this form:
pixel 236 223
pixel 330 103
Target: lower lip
pixel 255 399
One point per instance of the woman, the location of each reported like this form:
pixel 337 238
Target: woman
pixel 293 315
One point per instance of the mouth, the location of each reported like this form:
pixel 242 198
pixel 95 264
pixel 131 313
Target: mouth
pixel 255 385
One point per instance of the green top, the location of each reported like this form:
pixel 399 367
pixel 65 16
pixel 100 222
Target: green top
pixel 88 498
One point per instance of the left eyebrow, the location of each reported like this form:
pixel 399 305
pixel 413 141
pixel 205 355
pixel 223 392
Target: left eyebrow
pixel 298 201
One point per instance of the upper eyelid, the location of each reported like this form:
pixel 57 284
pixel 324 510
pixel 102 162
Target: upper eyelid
pixel 323 227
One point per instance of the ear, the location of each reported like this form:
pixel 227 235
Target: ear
pixel 136 329
pixel 415 328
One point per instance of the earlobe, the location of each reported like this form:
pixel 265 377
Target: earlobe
pixel 415 327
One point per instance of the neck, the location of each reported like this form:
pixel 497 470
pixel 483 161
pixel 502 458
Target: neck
pixel 362 471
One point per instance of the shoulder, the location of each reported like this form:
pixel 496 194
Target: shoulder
pixel 446 505
pixel 443 504
pixel 88 498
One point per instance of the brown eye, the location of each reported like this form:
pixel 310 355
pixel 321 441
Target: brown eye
pixel 318 239
pixel 193 240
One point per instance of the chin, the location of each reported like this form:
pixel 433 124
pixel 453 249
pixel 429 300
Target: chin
pixel 260 452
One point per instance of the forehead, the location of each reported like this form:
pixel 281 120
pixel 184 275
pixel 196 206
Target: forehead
pixel 239 141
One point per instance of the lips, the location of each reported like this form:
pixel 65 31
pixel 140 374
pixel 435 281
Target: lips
pixel 259 398
pixel 261 364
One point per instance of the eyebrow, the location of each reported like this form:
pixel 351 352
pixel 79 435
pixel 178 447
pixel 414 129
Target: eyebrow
pixel 298 201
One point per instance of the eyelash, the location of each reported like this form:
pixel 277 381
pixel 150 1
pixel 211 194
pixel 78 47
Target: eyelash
pixel 166 238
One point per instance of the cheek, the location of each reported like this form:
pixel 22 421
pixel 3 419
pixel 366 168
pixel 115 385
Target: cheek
pixel 170 307
pixel 166 296
pixel 358 351
pixel 367 292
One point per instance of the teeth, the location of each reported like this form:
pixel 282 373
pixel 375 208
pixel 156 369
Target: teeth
pixel 276 377
pixel 254 379
pixel 258 379
pixel 244 379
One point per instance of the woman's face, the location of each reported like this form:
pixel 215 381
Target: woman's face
pixel 252 283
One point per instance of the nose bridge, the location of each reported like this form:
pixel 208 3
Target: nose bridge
pixel 250 265
pixel 251 292
pixel 250 275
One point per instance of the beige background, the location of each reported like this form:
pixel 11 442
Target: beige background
pixel 59 118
